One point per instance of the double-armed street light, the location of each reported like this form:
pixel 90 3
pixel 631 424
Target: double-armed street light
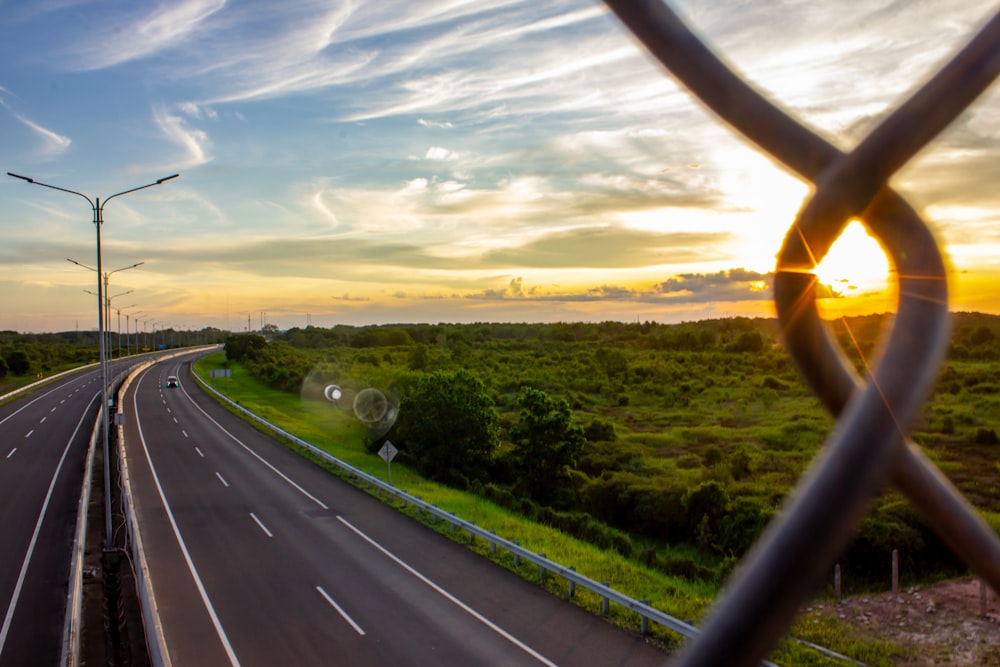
pixel 97 207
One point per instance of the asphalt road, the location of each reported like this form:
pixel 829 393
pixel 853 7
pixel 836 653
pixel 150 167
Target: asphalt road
pixel 43 447
pixel 259 557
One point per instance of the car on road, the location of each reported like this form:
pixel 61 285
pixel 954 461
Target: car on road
pixel 172 381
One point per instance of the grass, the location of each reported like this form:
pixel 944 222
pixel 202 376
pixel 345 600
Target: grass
pixel 339 434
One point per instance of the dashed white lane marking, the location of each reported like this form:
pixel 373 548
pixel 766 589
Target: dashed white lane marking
pixel 261 524
pixel 222 479
pixel 199 452
pixel 12 452
pixel 461 605
pixel 340 611
pixel 28 434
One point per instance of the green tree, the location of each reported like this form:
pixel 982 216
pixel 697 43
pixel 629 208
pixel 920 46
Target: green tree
pixel 240 347
pixel 17 361
pixel 449 427
pixel 418 358
pixel 546 443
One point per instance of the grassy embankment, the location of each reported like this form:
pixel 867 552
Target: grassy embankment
pixel 339 433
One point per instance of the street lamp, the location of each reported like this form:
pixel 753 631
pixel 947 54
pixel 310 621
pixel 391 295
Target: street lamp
pixel 97 206
pixel 128 335
pixel 107 276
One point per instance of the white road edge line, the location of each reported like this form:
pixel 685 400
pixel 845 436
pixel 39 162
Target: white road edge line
pixel 34 536
pixel 224 482
pixel 340 611
pixel 256 455
pixel 262 526
pixel 451 598
pixel 180 540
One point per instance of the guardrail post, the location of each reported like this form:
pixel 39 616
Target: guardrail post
pixel 541 570
pixel 452 523
pixel 604 600
pixel 434 517
pixel 472 535
pixel 572 584
pixel 517 556
pixel 644 625
pixel 493 545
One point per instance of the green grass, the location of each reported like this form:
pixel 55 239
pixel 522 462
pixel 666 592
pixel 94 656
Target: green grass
pixel 339 434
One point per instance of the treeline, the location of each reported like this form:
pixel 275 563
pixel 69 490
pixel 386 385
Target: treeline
pixel 638 436
pixel 30 354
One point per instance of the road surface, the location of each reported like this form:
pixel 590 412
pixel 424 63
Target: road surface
pixel 259 557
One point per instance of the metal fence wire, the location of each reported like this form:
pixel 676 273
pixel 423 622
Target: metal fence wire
pixel 868 447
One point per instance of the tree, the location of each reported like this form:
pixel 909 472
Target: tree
pixel 240 347
pixel 546 443
pixel 449 427
pixel 17 361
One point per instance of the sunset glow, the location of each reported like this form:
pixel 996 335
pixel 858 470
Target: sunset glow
pixel 451 162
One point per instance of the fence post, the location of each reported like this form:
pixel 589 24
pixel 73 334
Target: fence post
pixel 836 581
pixel 895 570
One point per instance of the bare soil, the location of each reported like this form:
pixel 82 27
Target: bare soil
pixel 939 624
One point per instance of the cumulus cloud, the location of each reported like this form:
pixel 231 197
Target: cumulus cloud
pixel 438 153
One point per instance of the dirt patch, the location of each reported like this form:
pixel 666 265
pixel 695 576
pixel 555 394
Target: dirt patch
pixel 940 624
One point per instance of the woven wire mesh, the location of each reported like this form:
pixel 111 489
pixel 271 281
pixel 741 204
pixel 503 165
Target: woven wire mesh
pixel 868 448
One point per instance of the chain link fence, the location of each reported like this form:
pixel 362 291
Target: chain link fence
pixel 868 449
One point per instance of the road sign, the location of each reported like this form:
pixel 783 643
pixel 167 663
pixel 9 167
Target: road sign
pixel 388 451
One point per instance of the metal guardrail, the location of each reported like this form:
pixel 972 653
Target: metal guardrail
pixel 546 566
pixel 72 626
pixel 868 447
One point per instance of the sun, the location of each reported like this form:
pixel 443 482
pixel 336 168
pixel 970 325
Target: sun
pixel 856 264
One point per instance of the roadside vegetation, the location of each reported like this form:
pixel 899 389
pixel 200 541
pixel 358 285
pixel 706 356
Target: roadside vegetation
pixel 660 451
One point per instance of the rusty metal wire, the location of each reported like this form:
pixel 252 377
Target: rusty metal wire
pixel 868 448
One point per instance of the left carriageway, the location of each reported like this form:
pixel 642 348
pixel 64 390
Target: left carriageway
pixel 44 437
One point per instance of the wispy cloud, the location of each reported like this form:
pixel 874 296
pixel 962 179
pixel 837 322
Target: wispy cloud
pixel 194 142
pixel 53 142
pixel 130 35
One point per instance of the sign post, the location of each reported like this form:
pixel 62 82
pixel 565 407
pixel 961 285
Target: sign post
pixel 388 453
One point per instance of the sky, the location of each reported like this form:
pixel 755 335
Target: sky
pixel 347 162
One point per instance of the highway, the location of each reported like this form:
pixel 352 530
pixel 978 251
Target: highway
pixel 259 557
pixel 43 446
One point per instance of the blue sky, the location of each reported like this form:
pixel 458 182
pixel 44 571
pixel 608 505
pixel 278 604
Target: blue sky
pixel 448 160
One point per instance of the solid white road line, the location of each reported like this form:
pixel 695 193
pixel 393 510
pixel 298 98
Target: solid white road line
pixel 34 536
pixel 340 611
pixel 256 455
pixel 180 540
pixel 451 598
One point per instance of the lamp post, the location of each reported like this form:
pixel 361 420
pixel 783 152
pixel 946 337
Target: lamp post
pixel 128 334
pixel 97 207
pixel 119 311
